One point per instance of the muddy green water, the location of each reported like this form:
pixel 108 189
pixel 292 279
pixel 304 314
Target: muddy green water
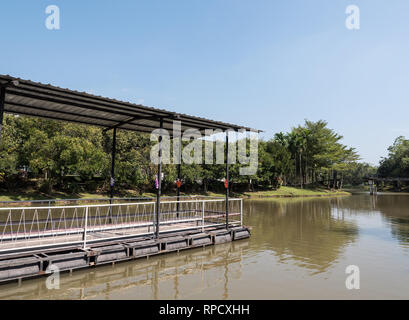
pixel 299 249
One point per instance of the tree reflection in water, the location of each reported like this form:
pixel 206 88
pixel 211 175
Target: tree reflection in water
pixel 308 231
pixel 298 248
pixel 208 267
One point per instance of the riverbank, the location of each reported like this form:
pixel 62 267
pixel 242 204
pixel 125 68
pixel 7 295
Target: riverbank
pixel 290 192
pixel 283 192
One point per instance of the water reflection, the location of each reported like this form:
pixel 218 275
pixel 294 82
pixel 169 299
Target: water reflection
pixel 307 231
pixel 149 278
pixel 395 210
pixel 299 248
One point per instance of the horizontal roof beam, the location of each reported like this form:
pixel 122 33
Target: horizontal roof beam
pixel 121 123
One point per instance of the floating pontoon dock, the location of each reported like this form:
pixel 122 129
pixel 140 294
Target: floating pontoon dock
pixel 69 237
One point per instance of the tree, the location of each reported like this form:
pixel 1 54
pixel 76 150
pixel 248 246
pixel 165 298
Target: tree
pixel 396 164
pixel 56 151
pixel 9 151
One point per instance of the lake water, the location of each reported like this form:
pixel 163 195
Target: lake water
pixel 299 249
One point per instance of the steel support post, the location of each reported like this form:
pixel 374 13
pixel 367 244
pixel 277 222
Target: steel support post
pixel 112 181
pixel 159 181
pixel 179 178
pixel 227 179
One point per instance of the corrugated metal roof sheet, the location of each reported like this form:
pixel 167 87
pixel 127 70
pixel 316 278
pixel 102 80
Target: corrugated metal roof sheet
pixel 44 100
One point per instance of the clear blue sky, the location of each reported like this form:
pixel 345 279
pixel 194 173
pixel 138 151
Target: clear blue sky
pixel 262 63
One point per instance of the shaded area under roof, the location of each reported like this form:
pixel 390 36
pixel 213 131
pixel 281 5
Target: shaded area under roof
pixel 30 98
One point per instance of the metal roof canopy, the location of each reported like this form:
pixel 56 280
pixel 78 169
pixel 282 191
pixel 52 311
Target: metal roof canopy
pixel 30 98
pixel 35 99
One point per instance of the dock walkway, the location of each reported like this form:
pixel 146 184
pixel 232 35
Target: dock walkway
pixel 33 239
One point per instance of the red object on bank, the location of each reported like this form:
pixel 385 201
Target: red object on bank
pixel 226 184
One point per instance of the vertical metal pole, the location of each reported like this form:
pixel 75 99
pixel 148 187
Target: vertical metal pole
pixel 159 181
pixel 153 220
pixel 241 212
pixel 112 181
pixel 179 178
pixel 85 228
pixel 203 215
pixel 227 179
pixel 2 101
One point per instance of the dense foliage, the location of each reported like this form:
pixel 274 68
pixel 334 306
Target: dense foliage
pixel 396 164
pixel 51 155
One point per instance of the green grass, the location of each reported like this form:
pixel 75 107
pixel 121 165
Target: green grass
pixel 31 194
pixel 295 192
pixel 35 195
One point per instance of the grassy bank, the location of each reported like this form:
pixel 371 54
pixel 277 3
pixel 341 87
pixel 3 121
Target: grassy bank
pixel 283 192
pixel 28 195
pixel 294 192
